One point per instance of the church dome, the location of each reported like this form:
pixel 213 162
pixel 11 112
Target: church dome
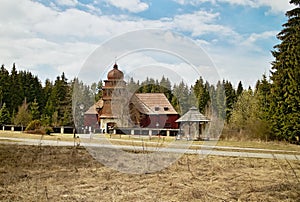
pixel 115 74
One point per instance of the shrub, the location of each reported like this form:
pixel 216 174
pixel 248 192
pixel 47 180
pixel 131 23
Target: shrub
pixel 48 130
pixel 33 125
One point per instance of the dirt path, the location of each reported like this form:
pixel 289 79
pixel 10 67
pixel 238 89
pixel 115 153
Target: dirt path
pixel 203 150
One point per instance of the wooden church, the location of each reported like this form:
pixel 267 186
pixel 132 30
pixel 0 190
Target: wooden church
pixel 123 109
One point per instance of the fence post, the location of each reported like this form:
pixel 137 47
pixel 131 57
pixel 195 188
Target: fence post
pixel 168 133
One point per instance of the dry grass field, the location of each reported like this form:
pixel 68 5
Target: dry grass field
pixel 33 173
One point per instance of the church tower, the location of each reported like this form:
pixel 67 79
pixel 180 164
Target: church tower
pixel 114 86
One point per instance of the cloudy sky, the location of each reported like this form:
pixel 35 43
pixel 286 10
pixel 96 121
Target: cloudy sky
pixel 48 37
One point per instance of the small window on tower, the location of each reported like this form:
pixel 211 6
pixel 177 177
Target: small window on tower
pixel 166 108
pixel 156 108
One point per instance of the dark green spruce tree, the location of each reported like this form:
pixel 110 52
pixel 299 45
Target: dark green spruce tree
pixel 285 89
pixel 239 89
pixel 15 99
pixel 201 91
pixel 165 87
pixel 230 98
pixel 180 99
pixel 4 115
pixel 4 86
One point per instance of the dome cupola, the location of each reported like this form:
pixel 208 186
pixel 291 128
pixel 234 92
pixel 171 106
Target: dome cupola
pixel 115 73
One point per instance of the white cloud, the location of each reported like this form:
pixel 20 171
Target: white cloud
pixel 54 38
pixel 74 24
pixel 134 6
pixel 36 53
pixel 201 22
pixel 62 40
pixel 67 2
pixel 243 61
pixel 193 2
pixel 24 41
pixel 250 42
pixel 91 8
pixel 140 51
pixel 274 5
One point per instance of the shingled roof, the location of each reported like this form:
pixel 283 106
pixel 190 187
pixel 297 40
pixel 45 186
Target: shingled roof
pixel 147 103
pixel 93 109
pixel 153 103
pixel 193 115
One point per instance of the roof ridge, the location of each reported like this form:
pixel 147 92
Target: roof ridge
pixel 144 104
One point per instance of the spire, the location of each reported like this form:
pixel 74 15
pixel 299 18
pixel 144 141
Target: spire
pixel 115 66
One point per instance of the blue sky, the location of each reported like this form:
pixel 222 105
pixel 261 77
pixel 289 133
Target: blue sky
pixel 48 37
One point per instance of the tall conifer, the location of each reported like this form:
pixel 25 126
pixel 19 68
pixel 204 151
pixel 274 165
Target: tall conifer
pixel 285 90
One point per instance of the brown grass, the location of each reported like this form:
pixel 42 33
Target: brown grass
pixel 33 173
pixel 156 141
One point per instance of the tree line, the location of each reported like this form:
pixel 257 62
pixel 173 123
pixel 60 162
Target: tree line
pixel 23 98
pixel 270 111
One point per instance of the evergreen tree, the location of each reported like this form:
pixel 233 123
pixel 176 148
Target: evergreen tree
pixel 165 87
pixel 83 98
pixel 47 90
pixel 30 86
pixel 285 90
pixel 55 119
pixel 47 104
pixel 45 120
pixel 180 99
pixel 263 89
pixel 155 87
pixel 132 86
pixel 145 86
pixel 96 89
pixel 61 98
pixel 239 89
pixel 219 101
pixel 201 91
pixel 4 86
pixel 34 108
pixel 230 98
pixel 262 94
pixel 192 99
pixel 4 115
pixel 15 99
